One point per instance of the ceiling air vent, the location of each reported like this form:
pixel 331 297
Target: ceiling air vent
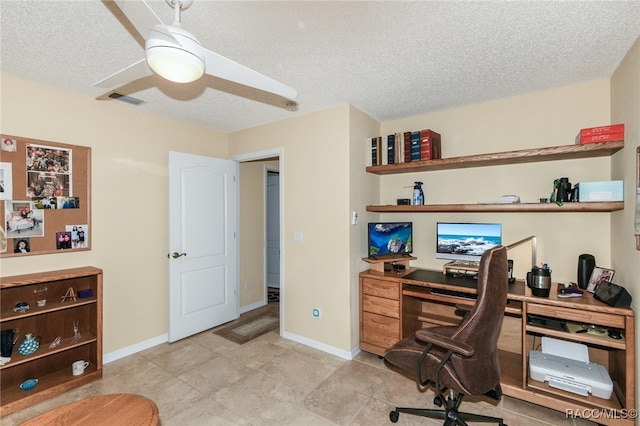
pixel 126 98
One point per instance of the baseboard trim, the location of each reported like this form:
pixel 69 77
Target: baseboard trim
pixel 133 349
pixel 246 308
pixel 147 344
pixel 319 345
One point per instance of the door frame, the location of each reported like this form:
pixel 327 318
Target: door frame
pixel 269 168
pixel 264 155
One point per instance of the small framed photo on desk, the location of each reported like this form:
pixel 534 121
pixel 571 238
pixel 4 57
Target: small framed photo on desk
pixel 597 276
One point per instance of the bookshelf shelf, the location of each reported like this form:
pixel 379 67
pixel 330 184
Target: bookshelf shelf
pixel 502 208
pixel 534 155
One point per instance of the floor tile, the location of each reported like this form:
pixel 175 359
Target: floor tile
pixel 206 379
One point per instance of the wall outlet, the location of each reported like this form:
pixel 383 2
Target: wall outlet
pixel 247 285
pixel 316 312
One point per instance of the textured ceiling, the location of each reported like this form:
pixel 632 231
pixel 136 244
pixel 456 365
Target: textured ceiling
pixel 389 59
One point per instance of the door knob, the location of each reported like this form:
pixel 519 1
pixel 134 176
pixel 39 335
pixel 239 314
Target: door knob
pixel 176 255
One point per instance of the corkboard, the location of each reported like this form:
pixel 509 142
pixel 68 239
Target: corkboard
pixel 45 197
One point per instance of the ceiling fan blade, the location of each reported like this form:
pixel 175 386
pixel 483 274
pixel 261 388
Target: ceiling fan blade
pixel 142 17
pixel 221 67
pixel 133 72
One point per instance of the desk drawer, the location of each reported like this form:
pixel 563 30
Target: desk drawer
pixel 378 305
pixel 385 289
pixel 380 330
pixel 580 316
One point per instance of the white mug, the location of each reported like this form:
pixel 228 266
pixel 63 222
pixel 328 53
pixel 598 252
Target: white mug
pixel 78 367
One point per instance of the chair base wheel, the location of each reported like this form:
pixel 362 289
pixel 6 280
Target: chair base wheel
pixel 393 416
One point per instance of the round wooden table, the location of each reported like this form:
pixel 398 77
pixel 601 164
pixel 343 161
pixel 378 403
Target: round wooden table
pixel 116 409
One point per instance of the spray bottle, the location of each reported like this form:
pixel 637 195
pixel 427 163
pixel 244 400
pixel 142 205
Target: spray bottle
pixel 418 195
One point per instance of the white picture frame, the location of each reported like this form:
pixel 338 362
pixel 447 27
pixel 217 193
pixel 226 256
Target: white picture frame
pixel 597 276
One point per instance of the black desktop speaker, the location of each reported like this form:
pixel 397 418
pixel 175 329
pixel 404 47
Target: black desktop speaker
pixel 586 263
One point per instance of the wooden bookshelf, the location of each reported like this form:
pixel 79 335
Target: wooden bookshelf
pixel 502 208
pixel 533 155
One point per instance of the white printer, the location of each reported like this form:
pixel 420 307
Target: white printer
pixel 570 372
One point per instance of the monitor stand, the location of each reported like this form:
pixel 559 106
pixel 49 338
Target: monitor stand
pixel 458 266
pixel 379 263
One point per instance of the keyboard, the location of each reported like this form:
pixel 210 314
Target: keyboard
pixel 454 293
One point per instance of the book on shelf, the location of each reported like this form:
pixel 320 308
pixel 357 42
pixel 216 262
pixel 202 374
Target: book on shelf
pixel 407 146
pixel 604 137
pixel 430 145
pixel 373 150
pixel 399 148
pixel 383 150
pixel 391 149
pixel 415 146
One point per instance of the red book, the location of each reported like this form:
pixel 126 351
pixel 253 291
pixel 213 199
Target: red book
pixel 604 137
pixel 407 147
pixel 590 131
pixel 430 148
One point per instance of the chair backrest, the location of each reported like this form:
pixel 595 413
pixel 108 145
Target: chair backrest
pixel 481 327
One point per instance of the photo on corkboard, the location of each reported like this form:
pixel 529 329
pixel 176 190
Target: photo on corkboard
pixel 23 219
pixel 48 171
pixel 6 185
pixel 8 144
pixel 45 203
pixel 68 202
pixel 63 240
pixel 21 245
pixel 79 235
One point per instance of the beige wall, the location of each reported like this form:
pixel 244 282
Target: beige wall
pixel 129 228
pixel 322 166
pixel 252 233
pixel 364 189
pixel 625 108
pixel 315 168
pixel 547 118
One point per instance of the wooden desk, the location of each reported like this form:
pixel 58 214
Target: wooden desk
pixel 117 409
pixel 394 305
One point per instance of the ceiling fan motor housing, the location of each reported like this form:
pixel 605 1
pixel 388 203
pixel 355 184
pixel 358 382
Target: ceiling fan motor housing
pixel 179 58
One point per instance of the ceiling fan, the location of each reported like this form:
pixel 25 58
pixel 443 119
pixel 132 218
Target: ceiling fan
pixel 177 55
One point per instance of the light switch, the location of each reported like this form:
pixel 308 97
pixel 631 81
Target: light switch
pixel 298 237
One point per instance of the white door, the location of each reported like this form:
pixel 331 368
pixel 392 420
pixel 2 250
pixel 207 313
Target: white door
pixel 202 244
pixel 273 229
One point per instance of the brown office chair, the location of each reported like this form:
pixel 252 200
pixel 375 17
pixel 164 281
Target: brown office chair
pixel 462 358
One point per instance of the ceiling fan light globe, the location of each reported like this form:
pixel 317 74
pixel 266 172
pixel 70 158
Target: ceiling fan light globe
pixel 178 58
pixel 175 64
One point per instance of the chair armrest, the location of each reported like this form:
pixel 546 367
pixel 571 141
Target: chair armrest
pixel 445 342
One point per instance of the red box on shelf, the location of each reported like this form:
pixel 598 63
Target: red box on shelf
pixel 612 132
pixel 605 137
